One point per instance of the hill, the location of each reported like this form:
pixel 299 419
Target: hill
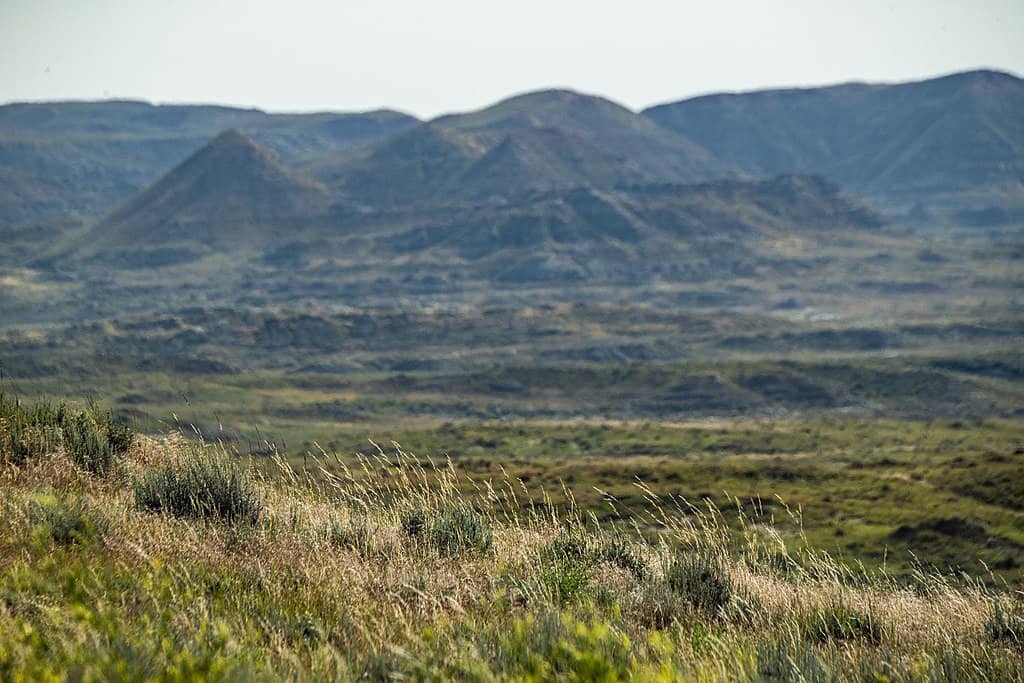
pixel 944 151
pixel 945 144
pixel 633 234
pixel 620 133
pixel 542 140
pixel 232 193
pixel 629 235
pixel 547 189
pixel 80 159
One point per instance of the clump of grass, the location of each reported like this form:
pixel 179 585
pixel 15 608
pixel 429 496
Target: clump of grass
pixel 70 522
pixel 203 486
pixel 786 659
pixel 702 578
pixel 450 530
pixel 564 568
pixel 658 607
pixel 92 438
pixel 358 534
pixel 837 622
pixel 620 553
pixel 1005 627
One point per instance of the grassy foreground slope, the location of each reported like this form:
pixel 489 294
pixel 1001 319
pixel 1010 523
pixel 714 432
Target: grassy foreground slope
pixel 124 557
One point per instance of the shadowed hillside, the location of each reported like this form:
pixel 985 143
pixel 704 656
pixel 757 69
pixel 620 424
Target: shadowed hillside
pixel 960 137
pixel 542 140
pixel 83 158
pixel 231 193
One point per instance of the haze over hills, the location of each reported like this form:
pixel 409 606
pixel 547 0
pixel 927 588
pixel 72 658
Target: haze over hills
pixel 84 158
pixel 237 196
pixel 548 188
pixel 948 142
pixel 232 193
pixel 541 140
pixel 952 144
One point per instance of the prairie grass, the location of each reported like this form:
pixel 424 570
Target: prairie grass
pixel 92 438
pixel 397 568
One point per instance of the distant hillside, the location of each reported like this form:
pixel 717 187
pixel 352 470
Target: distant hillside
pixel 620 133
pixel 630 234
pixel 83 158
pixel 231 193
pixel 236 199
pixel 942 141
pixel 550 188
pixel 544 140
pixel 942 151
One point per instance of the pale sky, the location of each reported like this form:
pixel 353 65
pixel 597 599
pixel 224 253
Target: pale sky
pixel 429 57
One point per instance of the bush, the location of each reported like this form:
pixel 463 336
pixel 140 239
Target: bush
pixel 623 555
pixel 702 579
pixel 203 487
pixel 786 659
pixel 553 647
pixel 840 623
pixel 1005 628
pixel 356 534
pixel 659 607
pixel 451 531
pixel 564 571
pixel 94 441
pixel 92 438
pixel 70 522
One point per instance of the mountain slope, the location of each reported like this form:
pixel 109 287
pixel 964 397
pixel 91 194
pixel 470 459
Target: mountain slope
pixel 628 235
pixel 413 166
pixel 231 193
pixel 544 140
pixel 82 158
pixel 544 159
pixel 702 231
pixel 619 132
pixel 926 141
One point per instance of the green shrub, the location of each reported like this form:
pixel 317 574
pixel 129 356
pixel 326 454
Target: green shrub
pixel 92 438
pixel 356 534
pixel 94 441
pixel 659 607
pixel 451 531
pixel 621 554
pixel 1006 628
pixel 786 659
pixel 838 622
pixel 202 487
pixel 703 579
pixel 70 522
pixel 564 571
pixel 553 647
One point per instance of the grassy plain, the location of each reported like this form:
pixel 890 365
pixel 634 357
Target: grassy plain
pixel 178 561
pixel 944 492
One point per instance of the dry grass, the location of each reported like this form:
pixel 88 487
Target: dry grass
pixel 332 582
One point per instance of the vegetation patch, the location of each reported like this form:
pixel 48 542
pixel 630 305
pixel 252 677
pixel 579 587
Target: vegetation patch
pixel 487 582
pixel 94 439
pixel 451 531
pixel 1005 626
pixel 69 521
pixel 702 578
pixel 201 486
pixel 837 622
pixel 564 571
pixel 788 659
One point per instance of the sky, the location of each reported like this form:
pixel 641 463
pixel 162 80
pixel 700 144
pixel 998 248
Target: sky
pixel 436 56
